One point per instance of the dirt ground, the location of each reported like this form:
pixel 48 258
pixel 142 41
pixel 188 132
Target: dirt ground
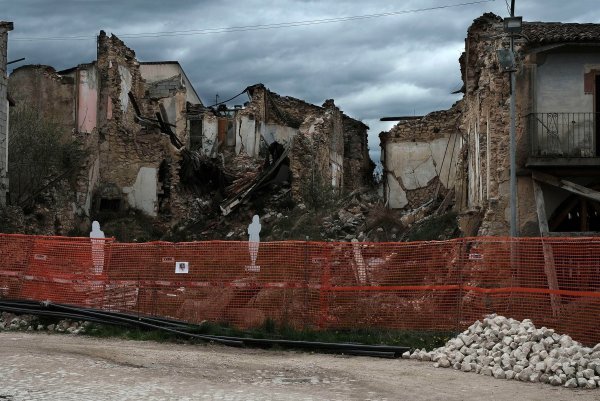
pixel 66 367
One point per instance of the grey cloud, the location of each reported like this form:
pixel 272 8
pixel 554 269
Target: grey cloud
pixel 396 65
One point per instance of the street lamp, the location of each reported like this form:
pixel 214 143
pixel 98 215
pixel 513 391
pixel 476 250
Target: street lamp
pixel 512 25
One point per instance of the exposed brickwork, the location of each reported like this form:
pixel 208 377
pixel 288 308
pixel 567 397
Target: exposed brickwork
pixel 432 126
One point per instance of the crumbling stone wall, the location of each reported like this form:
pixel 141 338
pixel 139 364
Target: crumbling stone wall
pixel 130 153
pixel 5 27
pixel 52 94
pixel 358 166
pixel 350 165
pixel 310 158
pixel 486 123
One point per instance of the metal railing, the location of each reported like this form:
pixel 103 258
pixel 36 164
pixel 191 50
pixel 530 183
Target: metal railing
pixel 562 134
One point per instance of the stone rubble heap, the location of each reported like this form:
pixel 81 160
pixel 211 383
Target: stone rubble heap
pixel 12 322
pixel 511 349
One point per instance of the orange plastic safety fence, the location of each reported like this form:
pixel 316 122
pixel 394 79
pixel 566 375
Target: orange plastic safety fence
pixel 433 285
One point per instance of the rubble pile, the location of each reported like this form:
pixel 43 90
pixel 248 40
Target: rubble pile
pixel 510 349
pixel 12 322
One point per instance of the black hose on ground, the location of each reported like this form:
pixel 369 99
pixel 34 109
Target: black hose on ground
pixel 104 317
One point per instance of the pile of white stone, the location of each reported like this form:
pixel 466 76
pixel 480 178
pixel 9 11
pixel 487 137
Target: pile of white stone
pixel 511 349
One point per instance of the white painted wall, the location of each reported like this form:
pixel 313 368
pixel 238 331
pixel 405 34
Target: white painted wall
pixel 142 195
pixel 246 136
pixel 415 164
pixel 125 87
pixel 276 133
pixel 210 130
pixel 396 196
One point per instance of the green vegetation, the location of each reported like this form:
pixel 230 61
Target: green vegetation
pixel 412 339
pixel 40 153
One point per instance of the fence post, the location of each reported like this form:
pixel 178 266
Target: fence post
pixel 306 310
pixel 461 252
pixel 325 287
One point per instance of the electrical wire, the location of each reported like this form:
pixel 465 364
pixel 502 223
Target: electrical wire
pixel 230 99
pixel 256 27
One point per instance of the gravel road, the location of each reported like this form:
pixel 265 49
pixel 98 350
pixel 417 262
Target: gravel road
pixel 67 367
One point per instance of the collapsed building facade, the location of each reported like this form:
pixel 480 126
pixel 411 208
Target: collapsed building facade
pixel 317 145
pixel 129 136
pixel 150 139
pixel 557 92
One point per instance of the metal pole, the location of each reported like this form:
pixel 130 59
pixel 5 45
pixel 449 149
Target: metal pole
pixel 512 149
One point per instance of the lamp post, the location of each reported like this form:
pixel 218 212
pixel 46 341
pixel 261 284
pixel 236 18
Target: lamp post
pixel 513 25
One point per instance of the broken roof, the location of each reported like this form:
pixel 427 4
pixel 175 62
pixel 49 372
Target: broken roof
pixel 544 33
pixel 558 32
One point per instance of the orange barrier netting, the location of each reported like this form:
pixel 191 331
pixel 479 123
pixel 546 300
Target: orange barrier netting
pixel 433 285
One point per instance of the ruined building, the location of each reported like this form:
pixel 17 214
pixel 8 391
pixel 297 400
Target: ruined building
pixel 133 128
pixel 557 92
pixel 155 147
pixel 5 27
pixel 323 143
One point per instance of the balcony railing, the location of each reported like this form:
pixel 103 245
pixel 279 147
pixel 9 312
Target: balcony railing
pixel 563 134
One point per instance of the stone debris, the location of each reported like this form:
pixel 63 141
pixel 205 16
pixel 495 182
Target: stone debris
pixel 510 349
pixel 12 322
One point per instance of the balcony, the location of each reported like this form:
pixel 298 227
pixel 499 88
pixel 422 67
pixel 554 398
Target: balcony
pixel 560 139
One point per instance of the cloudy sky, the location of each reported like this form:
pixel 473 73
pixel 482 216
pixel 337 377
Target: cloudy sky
pixel 404 62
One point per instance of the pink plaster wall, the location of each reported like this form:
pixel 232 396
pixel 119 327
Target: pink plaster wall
pixel 87 102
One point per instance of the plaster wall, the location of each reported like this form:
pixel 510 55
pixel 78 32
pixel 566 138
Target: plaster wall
pixel 559 82
pixel 210 129
pixel 396 195
pixel 87 99
pixel 277 133
pixel 417 163
pixel 560 89
pixel 143 194
pixel 125 76
pixel 247 136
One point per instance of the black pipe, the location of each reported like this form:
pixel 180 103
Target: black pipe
pixel 150 325
pixel 385 351
pixel 170 322
pixel 61 315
